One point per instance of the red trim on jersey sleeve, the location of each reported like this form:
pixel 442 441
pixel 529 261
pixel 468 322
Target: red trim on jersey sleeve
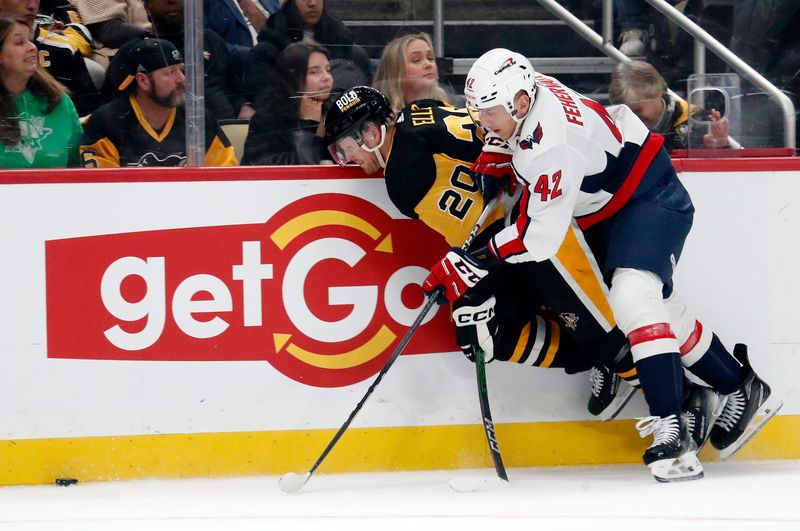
pixel 650 149
pixel 515 246
pixel 650 333
pixel 693 339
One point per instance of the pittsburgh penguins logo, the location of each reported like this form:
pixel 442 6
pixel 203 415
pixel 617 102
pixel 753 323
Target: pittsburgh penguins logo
pixel 570 320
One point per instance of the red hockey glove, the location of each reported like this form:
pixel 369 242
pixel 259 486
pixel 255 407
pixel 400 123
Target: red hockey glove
pixel 493 172
pixel 456 273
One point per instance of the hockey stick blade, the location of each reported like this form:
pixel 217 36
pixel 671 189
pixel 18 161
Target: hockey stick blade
pixel 477 483
pixel 291 482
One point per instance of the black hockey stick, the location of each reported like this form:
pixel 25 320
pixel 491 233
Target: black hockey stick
pixel 472 483
pixel 292 482
pixel 488 423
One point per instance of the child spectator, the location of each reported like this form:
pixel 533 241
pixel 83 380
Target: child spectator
pixel 39 126
pixel 287 128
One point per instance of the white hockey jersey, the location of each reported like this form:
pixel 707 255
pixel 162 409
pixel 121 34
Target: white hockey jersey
pixel 578 161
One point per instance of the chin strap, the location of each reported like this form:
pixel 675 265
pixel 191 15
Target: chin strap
pixel 377 149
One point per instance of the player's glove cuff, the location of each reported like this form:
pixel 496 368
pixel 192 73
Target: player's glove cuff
pixel 456 273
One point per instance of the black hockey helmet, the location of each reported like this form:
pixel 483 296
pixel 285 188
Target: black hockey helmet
pixel 349 112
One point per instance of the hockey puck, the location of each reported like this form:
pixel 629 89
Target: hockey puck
pixel 66 482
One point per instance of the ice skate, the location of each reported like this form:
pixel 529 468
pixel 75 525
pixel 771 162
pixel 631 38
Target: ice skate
pixel 746 411
pixel 700 410
pixel 610 393
pixel 673 454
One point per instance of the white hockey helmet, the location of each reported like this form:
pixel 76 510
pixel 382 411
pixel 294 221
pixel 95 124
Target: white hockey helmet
pixel 495 79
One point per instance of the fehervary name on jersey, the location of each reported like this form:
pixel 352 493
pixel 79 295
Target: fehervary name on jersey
pixel 571 111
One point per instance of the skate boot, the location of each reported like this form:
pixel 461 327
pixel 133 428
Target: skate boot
pixel 673 454
pixel 700 410
pixel 746 411
pixel 610 393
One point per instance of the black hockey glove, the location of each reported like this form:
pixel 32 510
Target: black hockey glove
pixel 476 325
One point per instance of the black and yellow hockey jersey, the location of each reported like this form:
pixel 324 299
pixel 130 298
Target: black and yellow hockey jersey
pixel 118 135
pixel 427 178
pixel 427 170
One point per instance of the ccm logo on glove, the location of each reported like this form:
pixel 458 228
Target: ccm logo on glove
pixel 456 273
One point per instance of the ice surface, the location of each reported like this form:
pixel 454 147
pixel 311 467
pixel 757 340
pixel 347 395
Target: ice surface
pixel 738 495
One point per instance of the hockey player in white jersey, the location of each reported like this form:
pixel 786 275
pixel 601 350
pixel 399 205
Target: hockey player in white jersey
pixel 605 172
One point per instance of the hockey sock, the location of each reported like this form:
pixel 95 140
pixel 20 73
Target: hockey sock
pixel 661 377
pixel 718 368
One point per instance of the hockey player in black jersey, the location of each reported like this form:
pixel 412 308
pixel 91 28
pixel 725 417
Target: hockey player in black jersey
pixel 426 156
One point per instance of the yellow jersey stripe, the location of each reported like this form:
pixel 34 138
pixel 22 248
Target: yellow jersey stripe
pixel 555 335
pixel 579 269
pixel 522 342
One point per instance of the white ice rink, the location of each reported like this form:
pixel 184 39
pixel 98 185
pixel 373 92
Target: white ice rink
pixel 760 495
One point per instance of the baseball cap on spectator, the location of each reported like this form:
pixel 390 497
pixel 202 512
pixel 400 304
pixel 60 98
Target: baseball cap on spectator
pixel 141 55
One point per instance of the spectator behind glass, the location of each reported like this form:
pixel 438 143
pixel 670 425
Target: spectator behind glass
pixel 112 23
pixel 633 21
pixel 408 71
pixel 638 85
pixel 221 88
pixel 238 22
pixel 39 127
pixel 287 128
pixel 58 52
pixel 144 125
pixel 297 20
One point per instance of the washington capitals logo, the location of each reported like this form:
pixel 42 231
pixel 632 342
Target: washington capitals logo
pixel 533 138
pixel 508 63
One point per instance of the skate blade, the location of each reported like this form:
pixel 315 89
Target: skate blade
pixel 291 482
pixel 685 468
pixel 624 396
pixel 762 416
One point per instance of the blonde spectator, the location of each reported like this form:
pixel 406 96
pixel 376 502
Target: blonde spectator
pixel 408 71
pixel 39 126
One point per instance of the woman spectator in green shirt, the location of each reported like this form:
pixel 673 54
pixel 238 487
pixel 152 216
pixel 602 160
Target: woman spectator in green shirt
pixel 39 126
